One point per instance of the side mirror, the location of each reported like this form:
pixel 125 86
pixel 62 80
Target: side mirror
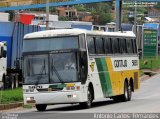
pixel 83 66
pixel 83 55
pixel 1 51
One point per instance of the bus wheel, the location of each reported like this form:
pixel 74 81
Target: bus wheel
pixel 127 92
pixel 88 104
pixel 41 107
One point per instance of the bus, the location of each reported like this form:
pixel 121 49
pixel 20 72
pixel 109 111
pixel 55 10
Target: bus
pixel 106 65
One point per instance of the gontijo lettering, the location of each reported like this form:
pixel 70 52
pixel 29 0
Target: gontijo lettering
pixel 120 63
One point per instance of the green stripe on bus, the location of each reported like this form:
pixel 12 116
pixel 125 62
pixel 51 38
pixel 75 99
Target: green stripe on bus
pixel 104 76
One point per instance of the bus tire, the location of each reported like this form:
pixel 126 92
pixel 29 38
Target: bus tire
pixel 41 107
pixel 127 92
pixel 6 82
pixel 117 98
pixel 88 104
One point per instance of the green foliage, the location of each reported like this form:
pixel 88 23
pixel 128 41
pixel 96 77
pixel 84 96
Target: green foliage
pixel 11 96
pixel 27 106
pixel 150 63
pixel 62 18
pixel 157 6
pixel 52 9
pixel 104 18
pixel 99 7
pixel 81 8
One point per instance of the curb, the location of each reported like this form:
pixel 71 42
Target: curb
pixel 10 106
pixel 144 77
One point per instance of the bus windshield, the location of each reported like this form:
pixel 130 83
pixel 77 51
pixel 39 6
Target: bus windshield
pixel 36 69
pixel 62 68
pixel 49 44
pixel 64 65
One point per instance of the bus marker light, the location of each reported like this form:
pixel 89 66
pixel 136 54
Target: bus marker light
pixel 78 87
pixel 68 88
pixel 70 84
pixel 72 88
pixel 49 89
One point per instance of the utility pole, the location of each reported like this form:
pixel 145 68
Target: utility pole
pixel 135 18
pixel 47 14
pixel 118 7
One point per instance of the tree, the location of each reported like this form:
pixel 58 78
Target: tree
pixel 81 8
pixel 104 18
pixel 157 6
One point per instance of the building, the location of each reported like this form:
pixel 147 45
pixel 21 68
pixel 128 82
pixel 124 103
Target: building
pixel 70 12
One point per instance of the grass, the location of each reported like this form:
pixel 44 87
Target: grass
pixel 150 63
pixel 11 96
pixel 27 106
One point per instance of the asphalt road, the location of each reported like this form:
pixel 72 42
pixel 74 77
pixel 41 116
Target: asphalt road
pixel 145 100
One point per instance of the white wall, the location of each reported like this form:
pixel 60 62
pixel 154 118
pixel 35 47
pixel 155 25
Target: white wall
pixel 4 16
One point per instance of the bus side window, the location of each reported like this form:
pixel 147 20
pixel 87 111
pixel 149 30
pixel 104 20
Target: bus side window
pixel 122 46
pixel 134 45
pixel 91 46
pixel 99 45
pixel 107 46
pixel 129 46
pixel 82 42
pixel 115 45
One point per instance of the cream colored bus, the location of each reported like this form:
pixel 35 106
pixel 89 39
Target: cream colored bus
pixel 104 65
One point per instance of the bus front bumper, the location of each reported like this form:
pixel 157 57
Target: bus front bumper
pixel 54 97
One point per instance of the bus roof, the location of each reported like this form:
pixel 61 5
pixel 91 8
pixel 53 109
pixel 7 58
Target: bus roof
pixel 67 32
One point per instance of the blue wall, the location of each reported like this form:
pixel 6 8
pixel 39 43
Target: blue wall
pixel 6 30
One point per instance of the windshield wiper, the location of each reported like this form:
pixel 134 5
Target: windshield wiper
pixel 56 72
pixel 41 73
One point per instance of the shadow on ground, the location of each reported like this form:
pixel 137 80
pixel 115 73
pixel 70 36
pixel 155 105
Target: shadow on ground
pixel 75 107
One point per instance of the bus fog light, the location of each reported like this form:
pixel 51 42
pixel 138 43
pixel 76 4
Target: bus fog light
pixel 30 98
pixel 74 95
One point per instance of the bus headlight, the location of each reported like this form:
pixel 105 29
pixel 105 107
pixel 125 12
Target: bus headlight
pixel 30 100
pixel 72 96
